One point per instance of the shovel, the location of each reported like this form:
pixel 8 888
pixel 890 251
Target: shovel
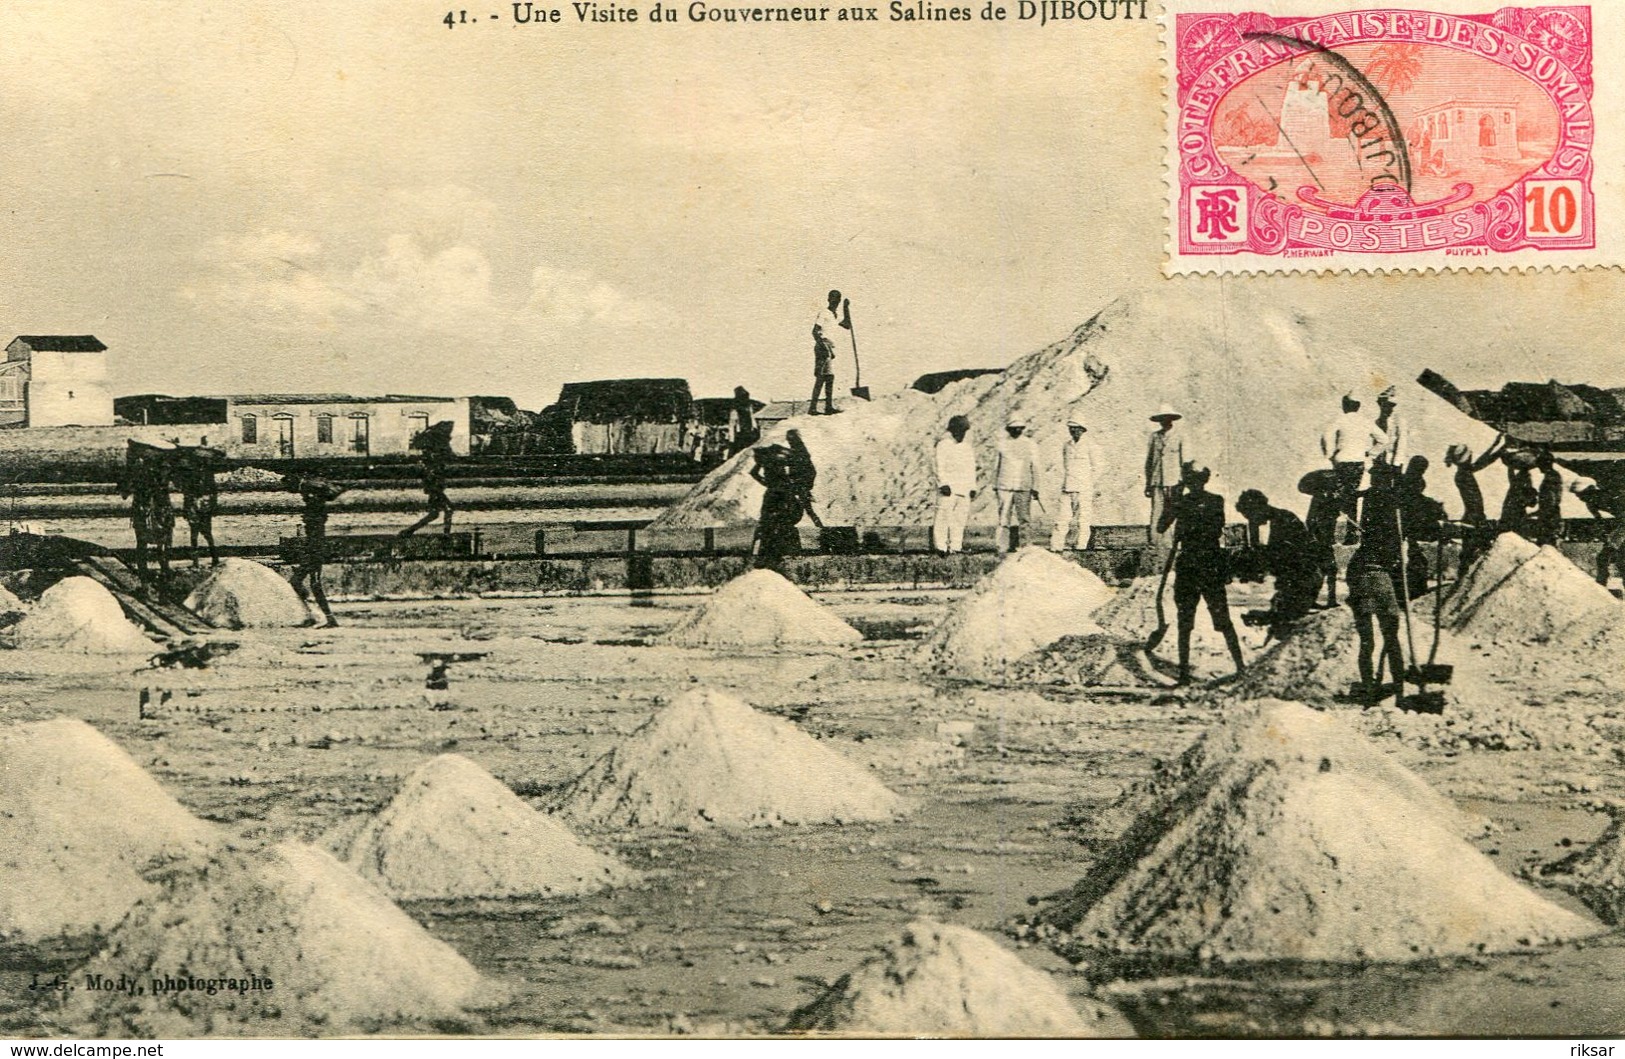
pixel 860 391
pixel 1424 701
pixel 1161 630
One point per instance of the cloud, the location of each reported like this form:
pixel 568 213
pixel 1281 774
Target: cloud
pixel 431 271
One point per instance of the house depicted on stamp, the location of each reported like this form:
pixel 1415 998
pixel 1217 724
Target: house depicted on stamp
pixel 1462 130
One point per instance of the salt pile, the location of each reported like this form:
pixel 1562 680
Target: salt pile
pixel 1543 599
pixel 948 981
pixel 1281 835
pixel 455 831
pixel 760 609
pixel 1508 552
pixel 78 614
pixel 1032 599
pixel 1315 663
pixel 80 822
pixel 709 760
pixel 243 594
pixel 1098 660
pixel 1254 380
pixel 339 955
pixel 10 604
pixel 1596 875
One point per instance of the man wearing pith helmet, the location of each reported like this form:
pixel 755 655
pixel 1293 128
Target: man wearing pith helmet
pixel 1076 508
pixel 1015 479
pixel 1164 459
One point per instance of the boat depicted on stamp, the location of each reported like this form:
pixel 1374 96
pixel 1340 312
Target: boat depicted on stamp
pixel 1305 139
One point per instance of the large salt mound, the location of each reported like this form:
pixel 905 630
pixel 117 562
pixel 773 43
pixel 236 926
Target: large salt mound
pixel 1279 837
pixel 1545 599
pixel 80 822
pixel 942 980
pixel 760 609
pixel 1508 552
pixel 455 831
pixel 78 614
pixel 1097 660
pixel 243 594
pixel 1254 379
pixel 1032 599
pixel 1596 875
pixel 340 956
pixel 709 760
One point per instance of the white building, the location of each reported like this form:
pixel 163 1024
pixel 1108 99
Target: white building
pixel 55 381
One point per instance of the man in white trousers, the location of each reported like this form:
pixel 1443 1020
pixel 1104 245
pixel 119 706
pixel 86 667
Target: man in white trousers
pixel 1015 479
pixel 1077 507
pixel 956 487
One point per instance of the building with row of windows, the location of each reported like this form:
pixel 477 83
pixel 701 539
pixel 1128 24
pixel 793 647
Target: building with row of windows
pixel 289 426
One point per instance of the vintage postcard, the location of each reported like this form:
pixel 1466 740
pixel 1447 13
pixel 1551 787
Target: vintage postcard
pixel 737 519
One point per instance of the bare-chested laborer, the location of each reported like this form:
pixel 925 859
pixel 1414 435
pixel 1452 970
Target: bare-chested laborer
pixel 307 573
pixel 152 516
pixel 200 496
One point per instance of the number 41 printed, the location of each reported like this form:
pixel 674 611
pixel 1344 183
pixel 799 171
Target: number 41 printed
pixel 1556 211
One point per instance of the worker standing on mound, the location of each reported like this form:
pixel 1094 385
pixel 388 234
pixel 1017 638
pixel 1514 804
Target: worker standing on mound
pixel 1476 531
pixel 956 487
pixel 1164 458
pixel 1201 568
pixel 826 325
pixel 1375 579
pixel 782 508
pixel 1288 555
pixel 1348 444
pixel 1607 505
pixel 1076 512
pixel 317 493
pixel 1016 481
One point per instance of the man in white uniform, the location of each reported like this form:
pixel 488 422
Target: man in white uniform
pixel 1077 489
pixel 1015 479
pixel 1348 444
pixel 1393 427
pixel 956 487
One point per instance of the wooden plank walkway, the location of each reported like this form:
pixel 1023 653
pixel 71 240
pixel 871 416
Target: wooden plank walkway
pixel 169 620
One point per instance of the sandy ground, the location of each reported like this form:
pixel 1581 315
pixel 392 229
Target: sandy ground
pixel 732 931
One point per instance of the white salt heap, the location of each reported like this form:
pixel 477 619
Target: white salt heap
pixel 1032 599
pixel 1596 875
pixel 10 604
pixel 760 609
pixel 455 831
pixel 340 956
pixel 949 981
pixel 1542 599
pixel 709 760
pixel 1097 660
pixel 1317 662
pixel 80 822
pixel 78 614
pixel 243 594
pixel 1499 562
pixel 1282 836
pixel 1255 380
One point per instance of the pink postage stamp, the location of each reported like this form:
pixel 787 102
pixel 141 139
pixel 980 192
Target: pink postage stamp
pixel 1308 137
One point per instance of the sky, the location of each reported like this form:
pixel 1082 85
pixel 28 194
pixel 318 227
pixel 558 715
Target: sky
pixel 315 196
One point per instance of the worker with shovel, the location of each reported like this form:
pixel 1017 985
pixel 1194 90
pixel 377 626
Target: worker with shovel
pixel 1200 565
pixel 826 325
pixel 1376 579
